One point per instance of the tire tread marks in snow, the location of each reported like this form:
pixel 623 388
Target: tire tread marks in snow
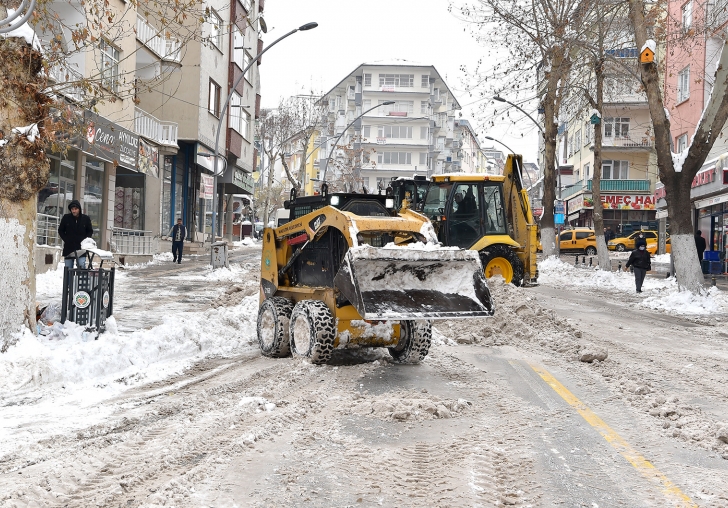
pixel 321 327
pixel 280 310
pixel 503 251
pixel 417 337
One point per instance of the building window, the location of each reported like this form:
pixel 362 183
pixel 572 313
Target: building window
pixel 683 84
pixel 424 107
pixel 587 133
pixel 616 127
pixel 615 170
pixel 366 104
pixel 426 81
pixel 395 131
pixel 586 172
pixel 213 100
pixel 238 43
pixel 247 4
pixel 109 66
pixel 367 80
pixel 399 106
pixel 215 29
pixel 577 141
pixel 394 158
pixel 239 118
pixel 682 143
pixel 423 158
pixel 424 132
pixel 247 59
pixel 396 80
pixel 366 131
pixel 687 15
pixel 381 183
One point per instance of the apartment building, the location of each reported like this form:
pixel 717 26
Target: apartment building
pixel 413 136
pixel 137 167
pixel 691 56
pixel 469 153
pixel 629 165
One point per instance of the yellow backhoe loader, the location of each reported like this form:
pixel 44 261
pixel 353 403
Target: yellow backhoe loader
pixel 487 214
pixel 349 271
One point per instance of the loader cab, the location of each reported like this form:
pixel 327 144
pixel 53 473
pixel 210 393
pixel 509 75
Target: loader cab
pixel 464 211
pixel 411 189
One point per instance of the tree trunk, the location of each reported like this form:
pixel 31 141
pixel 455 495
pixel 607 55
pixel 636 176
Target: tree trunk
pixel 17 269
pixel 293 181
pixel 598 212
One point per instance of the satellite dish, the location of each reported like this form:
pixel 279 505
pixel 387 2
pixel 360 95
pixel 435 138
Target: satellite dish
pixel 263 26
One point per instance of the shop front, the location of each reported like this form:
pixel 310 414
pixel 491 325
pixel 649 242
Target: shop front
pixel 622 212
pixel 709 194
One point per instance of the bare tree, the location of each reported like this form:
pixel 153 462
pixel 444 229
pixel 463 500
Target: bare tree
pixel 539 37
pixel 677 170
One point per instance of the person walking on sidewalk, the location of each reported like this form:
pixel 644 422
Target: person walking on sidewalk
pixel 74 228
pixel 178 233
pixel 700 244
pixel 639 260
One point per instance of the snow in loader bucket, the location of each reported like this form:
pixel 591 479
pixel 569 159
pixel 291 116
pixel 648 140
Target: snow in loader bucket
pixel 401 283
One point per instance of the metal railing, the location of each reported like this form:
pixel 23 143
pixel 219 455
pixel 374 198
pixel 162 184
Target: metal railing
pixel 164 47
pixel 133 241
pixel 47 230
pixel 63 76
pixel 607 186
pixel 627 142
pixel 146 125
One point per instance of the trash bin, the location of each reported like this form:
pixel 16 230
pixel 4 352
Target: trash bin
pixel 220 255
pixel 88 293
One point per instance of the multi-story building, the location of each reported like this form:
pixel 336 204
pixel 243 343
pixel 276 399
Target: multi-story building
pixel 469 153
pixel 691 56
pixel 629 166
pixel 415 135
pixel 137 168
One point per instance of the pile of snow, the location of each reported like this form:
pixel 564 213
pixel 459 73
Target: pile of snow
pixel 661 259
pixel 232 274
pixel 246 242
pixel 660 294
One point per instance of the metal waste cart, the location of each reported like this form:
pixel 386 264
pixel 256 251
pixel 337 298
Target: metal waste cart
pixel 88 293
pixel 220 255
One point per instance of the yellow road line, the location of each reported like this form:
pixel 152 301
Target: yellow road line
pixel 618 443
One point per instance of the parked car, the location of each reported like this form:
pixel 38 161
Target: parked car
pixel 581 240
pixel 652 246
pixel 624 243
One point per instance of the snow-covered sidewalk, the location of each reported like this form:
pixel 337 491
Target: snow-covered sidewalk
pixel 661 294
pixel 68 375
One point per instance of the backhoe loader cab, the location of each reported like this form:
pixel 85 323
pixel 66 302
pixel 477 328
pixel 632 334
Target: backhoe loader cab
pixel 347 271
pixel 487 214
pixel 411 189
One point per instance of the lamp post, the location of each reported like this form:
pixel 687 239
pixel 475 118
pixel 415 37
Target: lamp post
pixel 307 26
pixel 501 99
pixel 514 153
pixel 326 164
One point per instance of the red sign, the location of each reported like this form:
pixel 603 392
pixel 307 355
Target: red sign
pixel 628 202
pixel 660 193
pixel 703 178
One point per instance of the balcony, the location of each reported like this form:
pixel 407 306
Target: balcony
pixel 63 78
pixel 164 133
pixel 607 186
pixel 621 142
pixel 165 48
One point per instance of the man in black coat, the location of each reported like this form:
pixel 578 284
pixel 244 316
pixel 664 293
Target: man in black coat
pixel 639 260
pixel 74 228
pixel 177 234
pixel 700 244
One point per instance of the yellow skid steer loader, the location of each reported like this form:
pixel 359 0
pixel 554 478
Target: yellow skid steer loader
pixel 349 271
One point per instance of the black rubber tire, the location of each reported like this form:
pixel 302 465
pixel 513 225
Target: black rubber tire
pixel 414 342
pixel 313 331
pixel 591 251
pixel 620 248
pixel 274 317
pixel 503 251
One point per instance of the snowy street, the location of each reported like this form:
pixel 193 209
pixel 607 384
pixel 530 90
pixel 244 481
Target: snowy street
pixel 175 406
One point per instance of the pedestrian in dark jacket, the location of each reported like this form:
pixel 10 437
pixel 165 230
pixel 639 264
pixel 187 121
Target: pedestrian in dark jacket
pixel 74 228
pixel 178 233
pixel 700 244
pixel 639 260
pixel 640 241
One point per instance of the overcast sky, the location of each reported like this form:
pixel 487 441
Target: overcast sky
pixel 353 32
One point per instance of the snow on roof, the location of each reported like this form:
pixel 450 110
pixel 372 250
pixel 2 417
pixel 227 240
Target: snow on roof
pixel 649 44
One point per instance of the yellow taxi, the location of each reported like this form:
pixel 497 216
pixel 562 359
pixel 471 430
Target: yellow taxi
pixel 652 246
pixel 581 240
pixel 625 243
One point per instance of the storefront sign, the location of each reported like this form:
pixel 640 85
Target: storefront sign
pixel 208 162
pixel 711 201
pixel 704 177
pixel 207 184
pixel 148 158
pixel 628 202
pixel 110 142
pixel 584 201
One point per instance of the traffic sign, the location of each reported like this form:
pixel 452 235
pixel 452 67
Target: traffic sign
pixel 558 218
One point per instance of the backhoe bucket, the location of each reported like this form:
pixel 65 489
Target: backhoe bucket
pixel 402 283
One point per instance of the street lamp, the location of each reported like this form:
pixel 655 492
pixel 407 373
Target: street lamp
pixel 326 164
pixel 302 28
pixel 501 99
pixel 514 153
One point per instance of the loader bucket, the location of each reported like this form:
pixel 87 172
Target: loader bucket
pixel 401 283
